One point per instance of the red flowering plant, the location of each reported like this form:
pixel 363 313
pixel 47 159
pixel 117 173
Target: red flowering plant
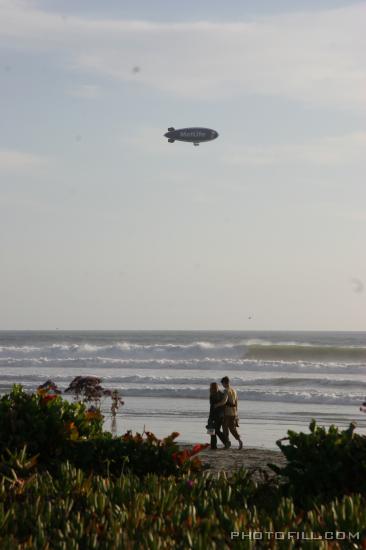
pixel 137 453
pixel 184 457
pixel 140 453
pixel 167 451
pixel 45 397
pixel 93 413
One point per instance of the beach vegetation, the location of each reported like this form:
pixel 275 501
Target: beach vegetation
pixel 79 510
pixel 67 484
pixel 322 464
pixel 45 422
pixel 138 453
pixel 56 430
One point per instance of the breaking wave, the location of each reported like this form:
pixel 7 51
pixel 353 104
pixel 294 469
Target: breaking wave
pixel 292 350
pixel 312 397
pixel 245 349
pixel 280 389
pixel 121 381
pixel 319 369
pixel 202 364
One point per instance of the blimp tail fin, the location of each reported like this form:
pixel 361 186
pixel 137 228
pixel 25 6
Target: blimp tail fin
pixel 171 129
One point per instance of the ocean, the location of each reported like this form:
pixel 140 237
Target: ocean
pixel 283 379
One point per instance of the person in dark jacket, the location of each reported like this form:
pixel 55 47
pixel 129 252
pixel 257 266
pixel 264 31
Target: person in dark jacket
pixel 216 417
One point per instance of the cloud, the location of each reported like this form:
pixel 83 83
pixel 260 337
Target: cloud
pixel 85 91
pixel 330 151
pixel 147 138
pixel 311 57
pixel 13 161
pixel 353 215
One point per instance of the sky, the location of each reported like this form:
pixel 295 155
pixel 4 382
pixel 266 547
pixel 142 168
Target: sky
pixel 105 225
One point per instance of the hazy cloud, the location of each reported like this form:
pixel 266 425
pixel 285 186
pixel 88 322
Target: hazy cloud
pixel 18 161
pixel 85 91
pixel 311 57
pixel 348 149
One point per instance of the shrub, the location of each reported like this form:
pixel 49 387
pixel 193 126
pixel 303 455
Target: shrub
pixel 138 453
pixel 324 463
pixel 44 422
pixel 55 431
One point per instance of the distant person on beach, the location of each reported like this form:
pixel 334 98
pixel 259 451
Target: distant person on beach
pixel 230 400
pixel 216 417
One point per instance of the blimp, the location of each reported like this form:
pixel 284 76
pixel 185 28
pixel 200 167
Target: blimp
pixel 192 135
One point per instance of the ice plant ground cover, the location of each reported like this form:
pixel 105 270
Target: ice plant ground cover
pixel 194 510
pixel 64 483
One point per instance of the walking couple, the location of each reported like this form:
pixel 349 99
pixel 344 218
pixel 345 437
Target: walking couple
pixel 223 414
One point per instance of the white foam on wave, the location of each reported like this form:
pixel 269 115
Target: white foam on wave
pixel 197 350
pixel 20 349
pixel 270 390
pixel 279 381
pixel 189 364
pixel 123 347
pixel 258 342
pixel 282 382
pixel 308 396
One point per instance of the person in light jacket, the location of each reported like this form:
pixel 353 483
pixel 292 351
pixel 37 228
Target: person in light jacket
pixel 231 423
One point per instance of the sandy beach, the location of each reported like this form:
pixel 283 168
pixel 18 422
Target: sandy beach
pixel 230 460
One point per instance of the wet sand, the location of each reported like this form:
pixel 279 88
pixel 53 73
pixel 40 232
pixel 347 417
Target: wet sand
pixel 229 460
